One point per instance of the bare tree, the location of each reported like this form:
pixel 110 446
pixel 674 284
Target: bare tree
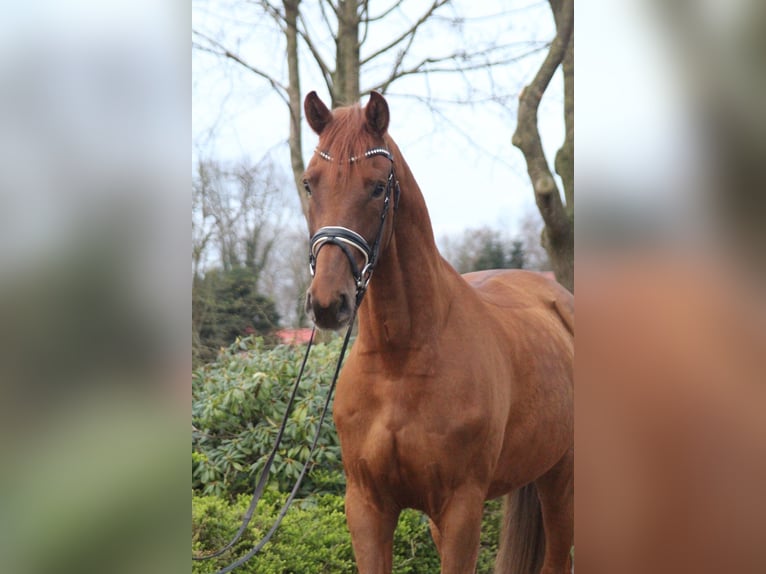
pixel 286 277
pixel 202 229
pixel 557 214
pixel 531 228
pixel 238 211
pixel 336 39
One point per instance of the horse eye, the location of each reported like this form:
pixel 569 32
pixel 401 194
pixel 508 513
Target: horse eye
pixel 307 187
pixel 379 189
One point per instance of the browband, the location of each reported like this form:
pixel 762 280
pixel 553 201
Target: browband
pixel 369 153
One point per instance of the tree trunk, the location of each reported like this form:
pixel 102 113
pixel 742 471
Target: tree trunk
pixel 294 97
pixel 564 163
pixel 558 235
pixel 346 75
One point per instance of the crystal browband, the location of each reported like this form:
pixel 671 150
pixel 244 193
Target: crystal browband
pixel 369 153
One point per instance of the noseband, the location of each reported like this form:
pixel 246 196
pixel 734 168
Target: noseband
pixel 347 239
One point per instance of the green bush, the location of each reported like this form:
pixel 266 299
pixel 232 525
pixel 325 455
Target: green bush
pixel 237 405
pixel 226 305
pixel 313 537
pixel 490 536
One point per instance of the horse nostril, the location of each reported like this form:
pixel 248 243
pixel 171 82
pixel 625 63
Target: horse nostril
pixel 333 313
pixel 308 303
pixel 344 306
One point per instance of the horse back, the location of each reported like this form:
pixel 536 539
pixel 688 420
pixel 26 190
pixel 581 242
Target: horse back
pixel 534 317
pixel 514 291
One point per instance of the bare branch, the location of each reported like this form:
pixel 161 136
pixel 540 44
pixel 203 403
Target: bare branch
pixel 410 31
pixel 486 17
pixel 552 60
pixel 397 64
pixel 431 102
pixel 364 20
pixel 281 21
pixel 217 49
pixel 326 71
pixel 386 12
pixel 335 8
pixel 426 66
pixel 326 18
pixel 274 12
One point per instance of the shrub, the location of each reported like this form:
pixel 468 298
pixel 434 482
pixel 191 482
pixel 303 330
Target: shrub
pixel 226 305
pixel 237 405
pixel 313 537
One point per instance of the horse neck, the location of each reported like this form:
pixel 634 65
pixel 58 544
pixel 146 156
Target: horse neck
pixel 406 301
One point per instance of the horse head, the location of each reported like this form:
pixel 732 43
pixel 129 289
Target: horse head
pixel 351 185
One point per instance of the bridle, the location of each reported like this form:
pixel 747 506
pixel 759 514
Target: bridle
pixel 348 239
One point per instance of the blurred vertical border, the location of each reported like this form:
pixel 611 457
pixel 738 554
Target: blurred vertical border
pixel 670 236
pixel 94 286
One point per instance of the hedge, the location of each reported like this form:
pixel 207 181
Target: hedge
pixel 313 537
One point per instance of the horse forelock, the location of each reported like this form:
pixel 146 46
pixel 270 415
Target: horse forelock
pixel 345 137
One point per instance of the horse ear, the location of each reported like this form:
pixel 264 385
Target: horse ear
pixel 376 113
pixel 317 113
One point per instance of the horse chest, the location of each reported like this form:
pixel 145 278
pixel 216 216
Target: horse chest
pixel 393 468
pixel 395 448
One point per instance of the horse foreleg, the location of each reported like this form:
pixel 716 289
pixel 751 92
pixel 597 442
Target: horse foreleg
pixel 372 532
pixel 556 491
pixel 458 531
pixel 435 535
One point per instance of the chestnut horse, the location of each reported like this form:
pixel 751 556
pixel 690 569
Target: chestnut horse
pixel 458 389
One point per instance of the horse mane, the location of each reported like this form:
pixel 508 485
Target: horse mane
pixel 345 137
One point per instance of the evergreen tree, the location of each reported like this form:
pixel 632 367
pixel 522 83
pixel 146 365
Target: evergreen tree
pixel 517 258
pixel 226 305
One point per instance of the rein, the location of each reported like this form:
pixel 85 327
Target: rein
pixel 262 482
pixel 261 485
pixel 343 238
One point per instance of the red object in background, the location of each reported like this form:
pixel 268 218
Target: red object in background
pixel 294 336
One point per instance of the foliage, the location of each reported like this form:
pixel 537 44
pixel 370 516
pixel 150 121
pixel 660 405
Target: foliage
pixel 226 305
pixel 485 248
pixel 490 536
pixel 516 258
pixel 491 254
pixel 243 215
pixel 313 537
pixel 237 406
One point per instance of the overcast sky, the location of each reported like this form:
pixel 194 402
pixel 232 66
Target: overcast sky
pixel 468 170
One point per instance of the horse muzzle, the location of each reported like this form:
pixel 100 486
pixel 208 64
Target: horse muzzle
pixel 333 296
pixel 330 313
